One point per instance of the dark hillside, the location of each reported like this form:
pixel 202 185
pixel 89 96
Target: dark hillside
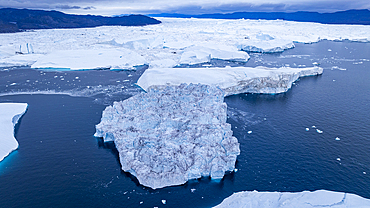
pixel 15 20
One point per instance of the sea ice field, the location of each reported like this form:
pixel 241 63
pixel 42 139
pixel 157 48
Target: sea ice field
pixel 313 135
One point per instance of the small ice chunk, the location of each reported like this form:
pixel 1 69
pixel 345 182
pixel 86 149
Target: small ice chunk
pixel 13 84
pixel 192 190
pixel 307 129
pixel 249 132
pixel 76 77
pixel 338 159
pixel 163 201
pixel 314 127
pixel 141 202
pixel 364 173
pixel 319 131
pixel 235 170
pixel 329 49
pixel 338 139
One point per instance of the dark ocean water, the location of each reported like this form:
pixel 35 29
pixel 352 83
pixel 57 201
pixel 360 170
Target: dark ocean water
pixel 60 164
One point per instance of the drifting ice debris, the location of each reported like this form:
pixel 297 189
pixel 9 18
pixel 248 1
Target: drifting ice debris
pixel 307 129
pixel 319 131
pixel 163 201
pixel 10 113
pixel 338 139
pixel 168 137
pixel 338 159
pixel 249 132
pixel 306 199
pixel 232 80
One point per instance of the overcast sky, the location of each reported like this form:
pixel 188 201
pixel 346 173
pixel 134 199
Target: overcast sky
pixel 116 7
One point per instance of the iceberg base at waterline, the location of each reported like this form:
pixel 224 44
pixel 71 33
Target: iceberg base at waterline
pixel 167 137
pixel 10 113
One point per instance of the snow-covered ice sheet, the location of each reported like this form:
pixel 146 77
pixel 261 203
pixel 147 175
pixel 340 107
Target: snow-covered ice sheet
pixel 10 113
pixel 174 39
pixel 305 199
pixel 167 137
pixel 233 80
pixel 113 59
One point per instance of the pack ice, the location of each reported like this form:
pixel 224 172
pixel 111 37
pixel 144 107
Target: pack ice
pixel 305 199
pixel 232 80
pixel 174 42
pixel 167 137
pixel 10 113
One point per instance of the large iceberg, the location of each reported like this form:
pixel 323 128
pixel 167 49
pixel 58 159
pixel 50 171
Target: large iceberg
pixel 10 113
pixel 167 137
pixel 232 80
pixel 305 199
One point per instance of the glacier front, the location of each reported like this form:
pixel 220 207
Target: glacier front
pixel 305 199
pixel 232 80
pixel 167 137
pixel 10 113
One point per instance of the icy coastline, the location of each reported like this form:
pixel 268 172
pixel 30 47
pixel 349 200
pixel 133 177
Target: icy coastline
pixel 167 137
pixel 305 199
pixel 232 80
pixel 10 113
pixel 174 42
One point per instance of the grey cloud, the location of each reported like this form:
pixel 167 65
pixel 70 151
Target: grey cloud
pixel 67 7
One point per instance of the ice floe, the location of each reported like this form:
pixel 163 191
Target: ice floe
pixel 10 113
pixel 233 80
pixel 167 137
pixel 174 41
pixel 305 199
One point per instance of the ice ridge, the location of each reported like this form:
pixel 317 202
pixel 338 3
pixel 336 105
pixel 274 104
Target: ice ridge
pixel 167 137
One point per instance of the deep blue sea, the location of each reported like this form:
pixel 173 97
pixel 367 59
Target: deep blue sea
pixel 60 163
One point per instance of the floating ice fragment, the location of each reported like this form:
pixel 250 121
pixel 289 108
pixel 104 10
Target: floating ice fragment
pixel 364 173
pixel 235 170
pixel 76 77
pixel 338 159
pixel 319 131
pixel 163 201
pixel 249 132
pixel 315 63
pixel 13 84
pixel 338 139
pixel 329 49
pixel 192 190
pixel 314 127
pixel 307 129
pixel 141 202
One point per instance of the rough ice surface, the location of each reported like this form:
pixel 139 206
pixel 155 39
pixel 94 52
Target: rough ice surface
pixel 10 113
pixel 175 39
pixel 167 137
pixel 305 199
pixel 233 80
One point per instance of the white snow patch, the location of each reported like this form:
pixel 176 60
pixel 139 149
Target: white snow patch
pixel 305 199
pixel 10 113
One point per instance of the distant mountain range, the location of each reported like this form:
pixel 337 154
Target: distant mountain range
pixel 16 20
pixel 358 17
